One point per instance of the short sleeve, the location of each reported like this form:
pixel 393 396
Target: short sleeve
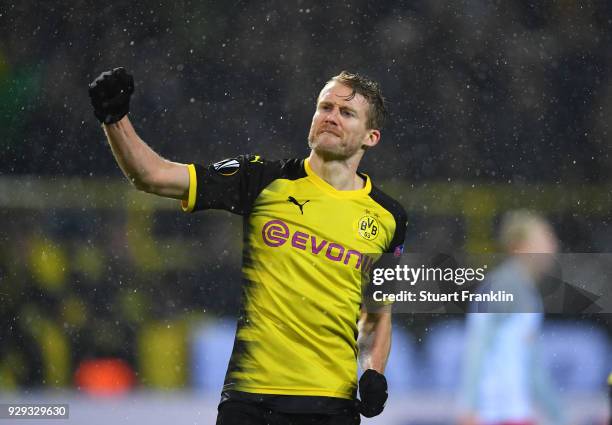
pixel 232 184
pixel 397 242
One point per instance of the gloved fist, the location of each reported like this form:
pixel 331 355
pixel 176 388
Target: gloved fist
pixel 373 393
pixel 110 95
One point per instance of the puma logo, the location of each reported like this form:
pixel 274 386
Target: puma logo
pixel 300 206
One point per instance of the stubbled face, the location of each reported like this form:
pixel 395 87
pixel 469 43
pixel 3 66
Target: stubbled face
pixel 338 129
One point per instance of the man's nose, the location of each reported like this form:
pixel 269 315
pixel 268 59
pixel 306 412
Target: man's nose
pixel 332 116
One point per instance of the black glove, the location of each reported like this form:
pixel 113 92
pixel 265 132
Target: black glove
pixel 373 393
pixel 110 95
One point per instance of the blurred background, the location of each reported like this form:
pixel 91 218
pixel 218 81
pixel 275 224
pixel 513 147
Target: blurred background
pixel 113 300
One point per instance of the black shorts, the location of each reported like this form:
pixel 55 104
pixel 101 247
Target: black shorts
pixel 244 413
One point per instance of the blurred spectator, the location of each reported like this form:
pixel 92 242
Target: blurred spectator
pixel 503 372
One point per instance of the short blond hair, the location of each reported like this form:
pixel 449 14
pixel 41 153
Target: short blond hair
pixel 371 91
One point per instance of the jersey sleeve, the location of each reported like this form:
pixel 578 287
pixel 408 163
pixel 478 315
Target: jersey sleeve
pixel 396 246
pixel 232 184
pixel 396 243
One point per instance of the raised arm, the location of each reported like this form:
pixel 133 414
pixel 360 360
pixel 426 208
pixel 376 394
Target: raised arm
pixel 110 95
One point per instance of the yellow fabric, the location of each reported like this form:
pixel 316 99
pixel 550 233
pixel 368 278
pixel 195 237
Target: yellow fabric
pixel 303 290
pixel 193 190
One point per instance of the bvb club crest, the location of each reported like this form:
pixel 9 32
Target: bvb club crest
pixel 368 227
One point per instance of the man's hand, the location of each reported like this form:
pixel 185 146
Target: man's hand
pixel 110 95
pixel 373 393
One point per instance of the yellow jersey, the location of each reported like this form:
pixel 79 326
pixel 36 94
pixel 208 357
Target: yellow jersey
pixel 305 245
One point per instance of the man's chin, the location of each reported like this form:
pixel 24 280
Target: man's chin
pixel 328 153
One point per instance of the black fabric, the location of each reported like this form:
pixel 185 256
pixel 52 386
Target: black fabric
pixel 253 413
pixel 292 403
pixel 398 213
pixel 235 189
pixel 239 349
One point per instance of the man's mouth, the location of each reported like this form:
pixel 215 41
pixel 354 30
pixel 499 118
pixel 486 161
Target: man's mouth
pixel 327 130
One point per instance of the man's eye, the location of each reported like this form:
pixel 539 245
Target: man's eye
pixel 348 113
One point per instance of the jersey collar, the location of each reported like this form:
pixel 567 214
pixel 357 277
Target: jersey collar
pixel 326 187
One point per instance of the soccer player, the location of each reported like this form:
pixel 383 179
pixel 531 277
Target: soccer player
pixel 309 224
pixel 503 373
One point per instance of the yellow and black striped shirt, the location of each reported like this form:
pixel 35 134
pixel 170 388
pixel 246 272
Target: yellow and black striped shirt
pixel 305 245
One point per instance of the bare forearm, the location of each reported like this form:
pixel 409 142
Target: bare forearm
pixel 135 158
pixel 375 341
pixel 110 96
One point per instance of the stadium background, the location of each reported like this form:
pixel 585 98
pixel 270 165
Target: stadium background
pixel 495 105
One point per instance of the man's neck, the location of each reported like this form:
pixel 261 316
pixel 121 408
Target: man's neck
pixel 340 174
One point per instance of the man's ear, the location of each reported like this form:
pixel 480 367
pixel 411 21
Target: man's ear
pixel 372 138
